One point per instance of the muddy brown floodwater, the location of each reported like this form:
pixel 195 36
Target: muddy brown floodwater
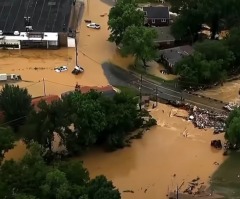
pixel 229 92
pixel 148 166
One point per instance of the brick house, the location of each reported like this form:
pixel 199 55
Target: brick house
pixel 107 91
pixel 156 16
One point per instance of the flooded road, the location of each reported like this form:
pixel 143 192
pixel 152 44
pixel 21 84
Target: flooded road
pixel 148 166
pixel 227 93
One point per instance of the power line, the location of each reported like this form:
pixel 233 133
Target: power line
pixel 11 121
pixel 60 84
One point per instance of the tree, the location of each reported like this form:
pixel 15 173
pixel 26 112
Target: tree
pixel 197 71
pixel 56 185
pixel 193 13
pixel 15 102
pixel 24 196
pixel 101 188
pixel 87 126
pixel 232 42
pixel 75 172
pixel 232 128
pixel 187 25
pixel 7 140
pixel 216 50
pixel 139 41
pixel 121 16
pixel 31 178
pixel 41 126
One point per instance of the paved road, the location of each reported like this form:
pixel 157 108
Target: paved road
pixel 118 76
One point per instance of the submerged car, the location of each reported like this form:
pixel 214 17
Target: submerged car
pixel 61 69
pixel 94 26
pixel 77 70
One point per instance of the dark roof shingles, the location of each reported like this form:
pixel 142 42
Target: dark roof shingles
pixel 174 55
pixel 161 12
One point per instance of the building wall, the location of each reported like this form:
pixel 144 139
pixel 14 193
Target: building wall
pixel 63 39
pixel 158 22
pixel 10 44
pixel 165 44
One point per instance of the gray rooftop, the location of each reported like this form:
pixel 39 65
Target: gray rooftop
pixel 174 55
pixel 157 12
pixel 164 34
pixel 46 15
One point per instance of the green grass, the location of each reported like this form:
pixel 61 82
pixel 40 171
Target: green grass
pixel 141 70
pixel 128 90
pixel 226 179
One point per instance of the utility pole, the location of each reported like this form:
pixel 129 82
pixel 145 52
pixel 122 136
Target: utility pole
pixel 177 192
pixel 76 49
pixel 140 93
pixel 156 93
pixel 44 87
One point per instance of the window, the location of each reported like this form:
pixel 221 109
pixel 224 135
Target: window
pixel 145 13
pixel 163 20
pixel 153 20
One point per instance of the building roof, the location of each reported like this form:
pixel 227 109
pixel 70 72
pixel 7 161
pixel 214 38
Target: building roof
pixel 23 36
pixel 46 15
pixel 160 12
pixel 107 91
pixel 174 55
pixel 164 34
pixel 48 99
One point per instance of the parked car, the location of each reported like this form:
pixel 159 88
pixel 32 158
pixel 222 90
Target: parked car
pixel 77 70
pixel 61 69
pixel 94 26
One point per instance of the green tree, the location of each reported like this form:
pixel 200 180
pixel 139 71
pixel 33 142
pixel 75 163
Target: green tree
pixel 75 172
pixel 15 102
pixel 87 126
pixel 232 128
pixel 196 70
pixel 41 126
pixel 233 132
pixel 216 50
pixel 232 42
pixel 187 25
pixel 101 188
pixel 56 185
pixel 25 176
pixel 139 41
pixel 31 178
pixel 7 140
pixel 193 13
pixel 121 16
pixel 24 196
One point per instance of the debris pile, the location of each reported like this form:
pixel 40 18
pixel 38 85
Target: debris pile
pixel 208 119
pixel 231 106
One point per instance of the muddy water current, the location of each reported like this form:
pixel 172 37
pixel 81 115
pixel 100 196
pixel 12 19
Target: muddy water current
pixel 149 165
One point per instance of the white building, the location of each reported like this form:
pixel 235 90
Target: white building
pixel 20 40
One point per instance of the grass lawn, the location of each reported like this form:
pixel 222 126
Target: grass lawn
pixel 139 69
pixel 226 179
pixel 128 90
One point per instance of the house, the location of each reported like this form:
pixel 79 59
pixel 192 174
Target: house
pixel 35 101
pixel 156 16
pixel 107 91
pixel 164 37
pixel 169 57
pixel 48 99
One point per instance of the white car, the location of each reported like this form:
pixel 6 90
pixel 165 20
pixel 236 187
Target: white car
pixel 94 26
pixel 61 69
